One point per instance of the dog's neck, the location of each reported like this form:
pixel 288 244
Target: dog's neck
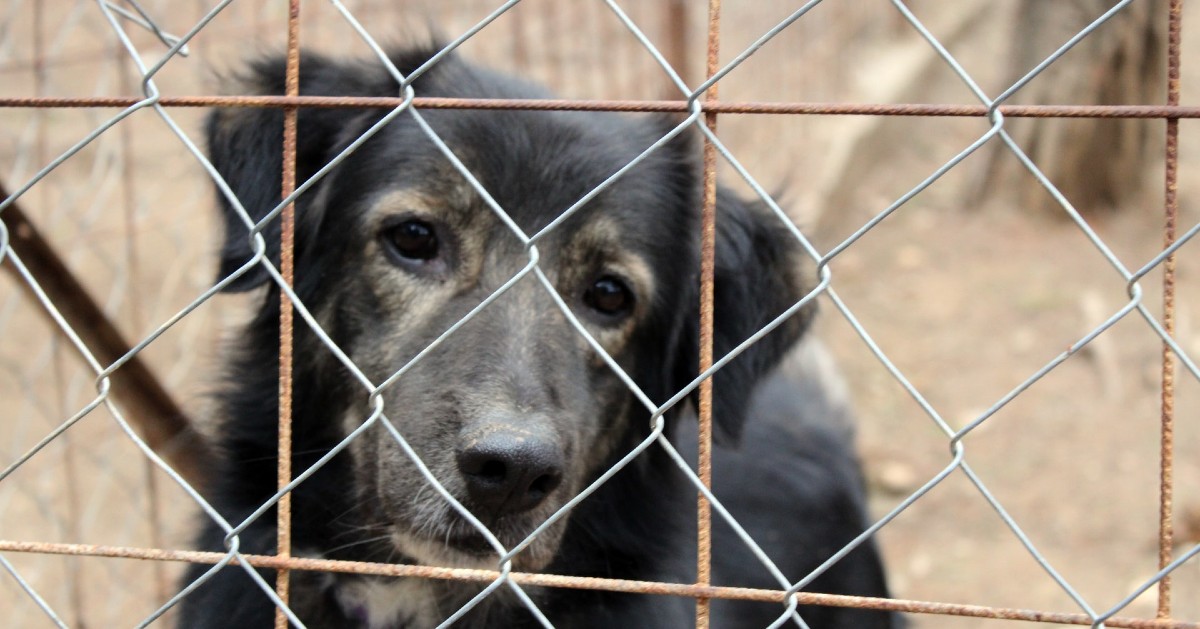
pixel 404 603
pixel 379 603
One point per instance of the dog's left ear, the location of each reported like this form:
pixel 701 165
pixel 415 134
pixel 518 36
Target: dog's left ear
pixel 759 274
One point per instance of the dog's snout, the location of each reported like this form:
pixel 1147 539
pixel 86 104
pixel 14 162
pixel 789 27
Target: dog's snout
pixel 509 471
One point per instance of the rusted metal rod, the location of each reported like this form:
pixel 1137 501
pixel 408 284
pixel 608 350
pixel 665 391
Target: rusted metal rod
pixel 589 583
pixel 678 106
pixel 708 243
pixel 287 266
pixel 1166 497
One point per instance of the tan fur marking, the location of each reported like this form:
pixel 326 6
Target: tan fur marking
pixel 597 248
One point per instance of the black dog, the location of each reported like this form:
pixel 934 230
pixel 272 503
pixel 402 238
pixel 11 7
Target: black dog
pixel 514 412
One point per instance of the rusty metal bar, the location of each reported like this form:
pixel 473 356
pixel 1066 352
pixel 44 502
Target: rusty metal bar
pixel 1171 209
pixel 708 239
pixel 679 106
pixel 161 422
pixel 287 266
pixel 589 583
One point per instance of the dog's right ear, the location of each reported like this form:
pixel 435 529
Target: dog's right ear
pixel 245 145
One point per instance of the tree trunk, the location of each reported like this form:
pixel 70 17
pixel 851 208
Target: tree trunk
pixel 1098 164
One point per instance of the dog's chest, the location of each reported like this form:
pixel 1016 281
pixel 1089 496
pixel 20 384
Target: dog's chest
pixel 389 603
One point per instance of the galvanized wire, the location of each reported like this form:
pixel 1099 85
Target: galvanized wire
pixel 37 598
pixel 700 119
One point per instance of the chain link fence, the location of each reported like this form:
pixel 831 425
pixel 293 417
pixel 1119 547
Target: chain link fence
pixel 102 102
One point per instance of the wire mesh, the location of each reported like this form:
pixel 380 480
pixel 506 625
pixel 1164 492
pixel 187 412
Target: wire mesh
pixel 71 496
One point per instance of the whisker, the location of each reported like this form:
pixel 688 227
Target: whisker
pixel 369 540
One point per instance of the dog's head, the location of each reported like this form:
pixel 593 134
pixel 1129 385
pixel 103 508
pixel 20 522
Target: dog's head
pixel 514 412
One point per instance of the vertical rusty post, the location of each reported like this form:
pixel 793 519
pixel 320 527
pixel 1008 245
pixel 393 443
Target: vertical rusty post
pixel 708 238
pixel 283 510
pixel 1166 471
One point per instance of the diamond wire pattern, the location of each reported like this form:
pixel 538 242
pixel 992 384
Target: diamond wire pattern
pixel 102 374
pixel 531 247
pixel 956 437
pixel 102 386
pixel 956 447
pixel 404 83
pixel 468 317
pixel 177 46
pixel 99 177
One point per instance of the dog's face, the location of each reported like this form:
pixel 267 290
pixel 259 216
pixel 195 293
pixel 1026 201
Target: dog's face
pixel 514 412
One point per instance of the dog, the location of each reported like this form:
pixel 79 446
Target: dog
pixel 515 412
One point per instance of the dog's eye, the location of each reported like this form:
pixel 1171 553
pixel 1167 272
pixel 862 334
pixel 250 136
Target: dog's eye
pixel 413 239
pixel 609 295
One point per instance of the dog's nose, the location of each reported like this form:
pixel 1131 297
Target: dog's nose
pixel 509 472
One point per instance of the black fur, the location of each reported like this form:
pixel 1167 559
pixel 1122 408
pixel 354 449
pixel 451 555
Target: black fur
pixel 786 467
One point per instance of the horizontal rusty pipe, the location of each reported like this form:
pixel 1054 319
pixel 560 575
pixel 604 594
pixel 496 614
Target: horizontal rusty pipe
pixel 678 106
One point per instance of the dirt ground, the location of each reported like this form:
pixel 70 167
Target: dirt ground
pixel 1074 459
pixel 966 293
